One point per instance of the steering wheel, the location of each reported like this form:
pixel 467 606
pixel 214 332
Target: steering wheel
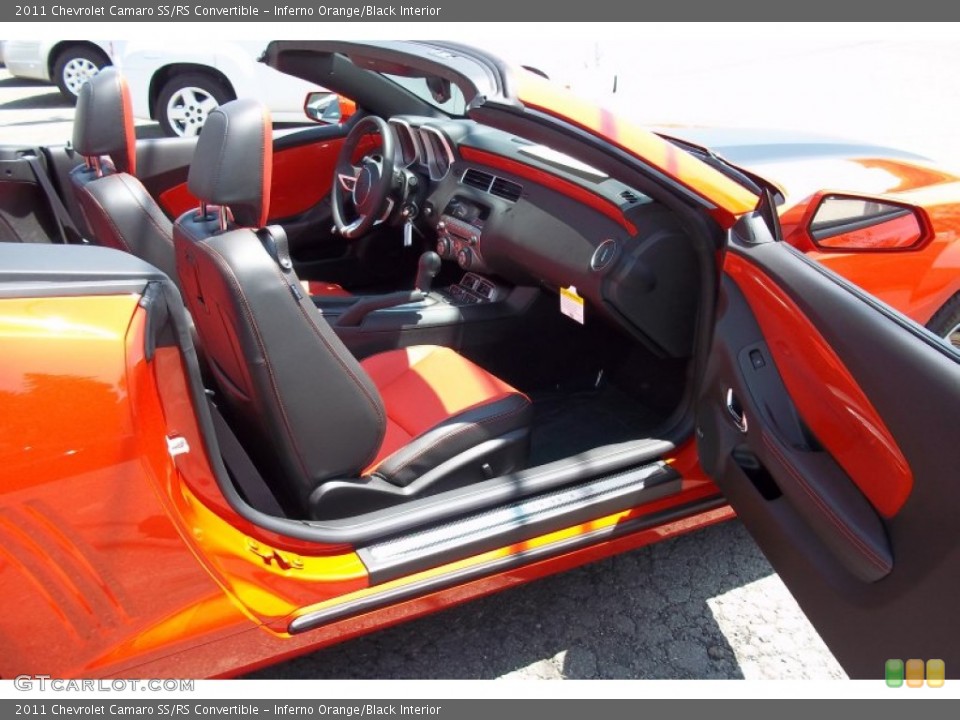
pixel 367 184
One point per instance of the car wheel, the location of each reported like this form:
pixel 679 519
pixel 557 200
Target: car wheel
pixel 185 102
pixel 946 322
pixel 74 66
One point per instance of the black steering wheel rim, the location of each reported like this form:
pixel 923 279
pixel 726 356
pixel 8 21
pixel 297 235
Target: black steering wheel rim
pixel 367 184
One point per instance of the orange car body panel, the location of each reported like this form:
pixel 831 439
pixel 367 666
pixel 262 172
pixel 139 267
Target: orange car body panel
pixel 244 651
pixel 917 281
pixel 132 561
pixel 85 541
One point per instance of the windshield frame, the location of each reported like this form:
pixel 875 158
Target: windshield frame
pixel 747 178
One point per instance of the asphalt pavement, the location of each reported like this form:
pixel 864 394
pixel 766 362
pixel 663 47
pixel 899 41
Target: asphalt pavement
pixel 706 605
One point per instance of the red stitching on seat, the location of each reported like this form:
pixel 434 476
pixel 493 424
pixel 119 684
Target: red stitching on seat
pixel 220 260
pixel 378 408
pixel 103 213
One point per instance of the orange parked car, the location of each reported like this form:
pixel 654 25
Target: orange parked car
pixel 882 218
pixel 476 333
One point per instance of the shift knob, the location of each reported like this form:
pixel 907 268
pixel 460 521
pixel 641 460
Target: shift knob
pixel 427 269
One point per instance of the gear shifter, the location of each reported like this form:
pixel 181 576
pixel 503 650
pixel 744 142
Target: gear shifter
pixel 427 269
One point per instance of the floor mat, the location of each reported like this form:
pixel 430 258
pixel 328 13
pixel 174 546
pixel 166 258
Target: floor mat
pixel 566 424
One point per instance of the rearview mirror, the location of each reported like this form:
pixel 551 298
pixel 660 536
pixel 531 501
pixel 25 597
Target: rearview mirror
pixel 439 89
pixel 328 108
pixel 848 223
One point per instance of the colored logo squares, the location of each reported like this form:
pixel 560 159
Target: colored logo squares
pixel 895 672
pixel 914 673
pixel 936 673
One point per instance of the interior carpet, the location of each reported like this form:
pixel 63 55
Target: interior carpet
pixel 566 424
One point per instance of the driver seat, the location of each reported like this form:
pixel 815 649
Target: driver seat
pixel 332 437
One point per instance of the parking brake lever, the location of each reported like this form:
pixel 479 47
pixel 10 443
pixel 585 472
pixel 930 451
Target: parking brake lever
pixel 355 314
pixel 427 269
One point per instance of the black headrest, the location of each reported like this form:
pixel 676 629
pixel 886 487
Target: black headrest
pixel 234 160
pixel 104 121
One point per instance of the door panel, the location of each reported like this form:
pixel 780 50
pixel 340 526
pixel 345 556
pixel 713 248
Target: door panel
pixel 302 170
pixel 846 470
pixel 827 395
pixel 302 177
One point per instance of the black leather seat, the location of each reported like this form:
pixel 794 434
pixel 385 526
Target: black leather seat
pixel 332 436
pixel 117 210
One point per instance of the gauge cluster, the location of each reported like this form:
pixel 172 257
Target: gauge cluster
pixel 408 143
pixel 420 146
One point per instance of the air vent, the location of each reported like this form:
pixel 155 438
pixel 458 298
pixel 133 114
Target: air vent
pixel 629 196
pixel 477 179
pixel 506 189
pixel 494 185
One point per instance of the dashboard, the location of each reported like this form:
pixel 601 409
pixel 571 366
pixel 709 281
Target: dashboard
pixel 500 205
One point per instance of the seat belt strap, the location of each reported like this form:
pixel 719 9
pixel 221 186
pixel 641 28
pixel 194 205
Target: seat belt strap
pixel 242 469
pixel 64 222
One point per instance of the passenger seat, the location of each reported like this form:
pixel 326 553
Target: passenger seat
pixel 117 209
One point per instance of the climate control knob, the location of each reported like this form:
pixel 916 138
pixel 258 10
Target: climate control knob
pixel 465 258
pixel 443 247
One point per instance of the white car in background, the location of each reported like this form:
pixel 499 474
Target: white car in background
pixel 179 84
pixel 66 63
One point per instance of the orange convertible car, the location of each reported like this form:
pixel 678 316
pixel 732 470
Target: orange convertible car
pixel 473 334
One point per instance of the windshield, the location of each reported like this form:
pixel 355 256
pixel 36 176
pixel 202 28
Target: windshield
pixel 438 93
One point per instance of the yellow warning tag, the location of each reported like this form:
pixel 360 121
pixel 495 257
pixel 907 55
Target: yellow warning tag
pixel 571 304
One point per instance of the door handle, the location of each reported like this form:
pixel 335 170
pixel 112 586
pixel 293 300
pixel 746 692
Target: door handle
pixel 735 411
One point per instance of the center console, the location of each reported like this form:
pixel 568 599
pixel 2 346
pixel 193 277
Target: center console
pixel 460 232
pixel 474 290
pixel 456 316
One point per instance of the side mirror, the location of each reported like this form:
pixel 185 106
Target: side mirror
pixel 328 108
pixel 850 223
